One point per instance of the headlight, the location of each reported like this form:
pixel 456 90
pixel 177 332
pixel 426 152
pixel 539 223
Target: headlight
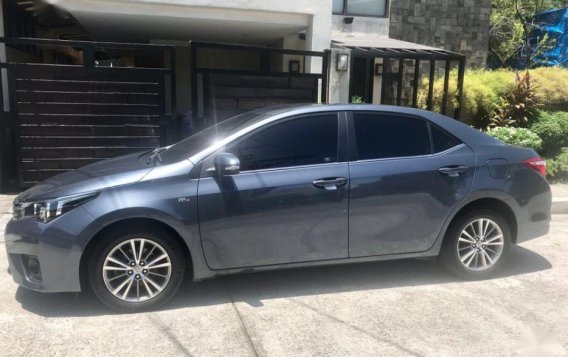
pixel 47 210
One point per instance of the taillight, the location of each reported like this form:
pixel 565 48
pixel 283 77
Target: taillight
pixel 536 163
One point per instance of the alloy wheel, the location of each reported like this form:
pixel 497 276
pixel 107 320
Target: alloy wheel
pixel 137 270
pixel 480 244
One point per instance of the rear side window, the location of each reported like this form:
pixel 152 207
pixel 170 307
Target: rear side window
pixel 389 135
pixel 441 140
pixel 303 141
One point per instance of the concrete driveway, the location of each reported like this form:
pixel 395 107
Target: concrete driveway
pixel 406 307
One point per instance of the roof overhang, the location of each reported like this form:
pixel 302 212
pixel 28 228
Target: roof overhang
pixel 382 46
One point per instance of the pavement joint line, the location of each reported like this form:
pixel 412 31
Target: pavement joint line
pixel 242 324
pixel 356 328
pixel 166 331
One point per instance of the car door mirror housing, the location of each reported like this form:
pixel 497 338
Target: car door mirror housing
pixel 225 164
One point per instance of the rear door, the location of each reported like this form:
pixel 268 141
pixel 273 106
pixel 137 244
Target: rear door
pixel 288 204
pixel 406 177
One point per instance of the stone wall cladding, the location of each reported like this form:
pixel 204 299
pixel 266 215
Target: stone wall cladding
pixel 455 25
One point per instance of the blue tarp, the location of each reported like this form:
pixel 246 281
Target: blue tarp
pixel 555 24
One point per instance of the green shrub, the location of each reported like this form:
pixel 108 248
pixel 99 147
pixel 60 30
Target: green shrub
pixel 516 136
pixel 519 106
pixel 552 128
pixel 484 90
pixel 557 167
pixel 551 86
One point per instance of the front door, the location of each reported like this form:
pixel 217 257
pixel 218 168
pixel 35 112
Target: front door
pixel 288 204
pixel 399 197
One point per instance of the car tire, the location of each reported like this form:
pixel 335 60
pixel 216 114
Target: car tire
pixel 147 288
pixel 475 252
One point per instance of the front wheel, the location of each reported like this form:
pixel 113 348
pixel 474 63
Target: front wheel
pixel 134 271
pixel 476 244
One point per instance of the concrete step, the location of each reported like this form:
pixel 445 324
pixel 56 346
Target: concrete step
pixel 560 205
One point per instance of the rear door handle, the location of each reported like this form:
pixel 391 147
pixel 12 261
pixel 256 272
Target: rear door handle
pixel 330 183
pixel 453 171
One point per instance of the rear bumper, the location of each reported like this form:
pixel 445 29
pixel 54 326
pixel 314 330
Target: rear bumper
pixel 54 246
pixel 533 214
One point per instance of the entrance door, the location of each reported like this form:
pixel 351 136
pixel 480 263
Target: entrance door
pixel 288 204
pixel 361 79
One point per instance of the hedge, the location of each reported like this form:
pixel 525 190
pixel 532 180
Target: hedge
pixel 483 90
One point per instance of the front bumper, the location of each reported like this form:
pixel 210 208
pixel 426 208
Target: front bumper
pixel 57 246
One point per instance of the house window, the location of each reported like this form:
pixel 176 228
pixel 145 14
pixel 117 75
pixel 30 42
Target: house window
pixel 376 8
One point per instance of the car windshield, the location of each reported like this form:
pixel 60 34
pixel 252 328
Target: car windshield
pixel 201 140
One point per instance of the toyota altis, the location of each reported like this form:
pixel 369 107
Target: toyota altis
pixel 282 187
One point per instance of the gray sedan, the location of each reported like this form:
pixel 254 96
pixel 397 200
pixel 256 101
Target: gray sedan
pixel 282 187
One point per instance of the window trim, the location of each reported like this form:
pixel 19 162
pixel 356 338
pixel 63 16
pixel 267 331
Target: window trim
pixel 345 13
pixel 342 148
pixel 353 155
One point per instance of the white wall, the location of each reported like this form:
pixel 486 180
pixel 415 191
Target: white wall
pixel 227 20
pixel 339 80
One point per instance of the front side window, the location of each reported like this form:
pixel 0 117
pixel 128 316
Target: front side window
pixel 303 141
pixel 360 7
pixel 387 135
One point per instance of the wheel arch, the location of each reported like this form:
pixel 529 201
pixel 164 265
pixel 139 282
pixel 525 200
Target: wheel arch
pixel 136 222
pixel 492 203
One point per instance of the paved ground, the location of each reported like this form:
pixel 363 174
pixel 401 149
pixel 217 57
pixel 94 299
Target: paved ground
pixel 559 190
pixel 391 308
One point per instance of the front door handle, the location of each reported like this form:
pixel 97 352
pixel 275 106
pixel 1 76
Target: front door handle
pixel 330 183
pixel 453 171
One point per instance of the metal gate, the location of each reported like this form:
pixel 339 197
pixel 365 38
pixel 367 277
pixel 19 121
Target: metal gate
pixel 64 116
pixel 271 76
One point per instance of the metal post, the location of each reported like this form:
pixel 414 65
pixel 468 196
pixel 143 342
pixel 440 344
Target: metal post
pixel 15 126
pixel 173 82
pixel 446 87
pixel 399 84
pixel 325 76
pixel 194 96
pixel 431 84
pixel 367 96
pixel 416 79
pixel 461 75
pixel 384 79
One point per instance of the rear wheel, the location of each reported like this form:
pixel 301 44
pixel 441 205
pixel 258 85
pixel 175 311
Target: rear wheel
pixel 137 270
pixel 476 244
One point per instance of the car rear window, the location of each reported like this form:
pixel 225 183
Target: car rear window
pixel 441 140
pixel 389 135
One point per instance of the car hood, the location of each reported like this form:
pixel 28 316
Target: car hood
pixel 108 173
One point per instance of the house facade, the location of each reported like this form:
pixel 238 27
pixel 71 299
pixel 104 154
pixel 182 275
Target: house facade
pixel 208 60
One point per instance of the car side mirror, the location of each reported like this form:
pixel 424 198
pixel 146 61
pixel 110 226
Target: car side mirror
pixel 225 164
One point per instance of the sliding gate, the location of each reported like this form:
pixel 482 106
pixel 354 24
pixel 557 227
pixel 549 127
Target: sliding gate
pixel 62 116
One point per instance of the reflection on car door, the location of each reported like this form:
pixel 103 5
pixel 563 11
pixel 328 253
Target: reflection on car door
pixel 288 204
pixel 403 184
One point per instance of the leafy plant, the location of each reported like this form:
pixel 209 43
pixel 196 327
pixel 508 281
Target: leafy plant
pixel 519 106
pixel 552 128
pixel 558 166
pixel 512 22
pixel 516 136
pixel 356 99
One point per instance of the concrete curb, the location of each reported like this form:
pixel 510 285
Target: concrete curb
pixel 560 205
